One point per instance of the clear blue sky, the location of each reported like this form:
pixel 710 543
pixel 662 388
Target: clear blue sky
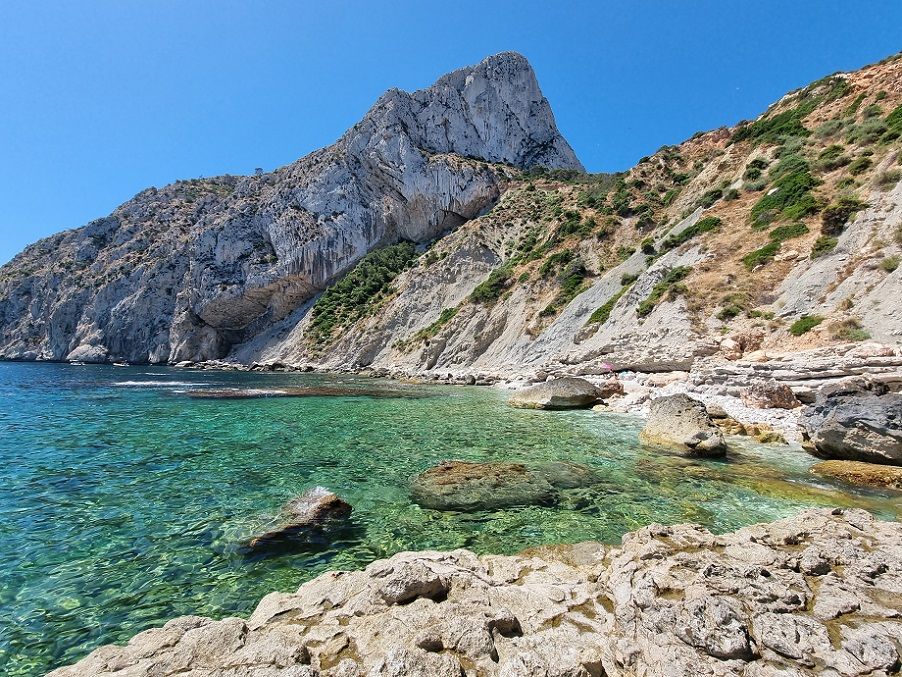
pixel 102 98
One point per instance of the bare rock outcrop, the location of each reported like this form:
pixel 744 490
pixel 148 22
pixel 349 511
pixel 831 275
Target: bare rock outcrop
pixel 682 423
pixel 562 393
pixel 816 594
pixel 867 428
pixel 859 472
pixel 769 395
pixel 465 486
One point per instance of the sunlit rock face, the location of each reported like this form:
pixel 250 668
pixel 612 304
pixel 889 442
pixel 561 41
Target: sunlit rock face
pixel 189 270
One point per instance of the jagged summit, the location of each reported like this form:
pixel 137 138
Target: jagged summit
pixel 493 110
pixel 192 269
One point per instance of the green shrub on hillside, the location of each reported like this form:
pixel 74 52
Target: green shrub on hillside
pixel 823 245
pixel 444 318
pixel 708 199
pixel 761 256
pixel 360 291
pixel 628 278
pixel 773 128
pixel 868 132
pixel 571 279
pixel 705 225
pixel 670 196
pixel 556 261
pixel 860 165
pixel 791 197
pixel 601 314
pixel 832 158
pixel 805 324
pixel 732 305
pixel 849 330
pixel 893 126
pixel 793 230
pixel 890 264
pixel 889 179
pixel 491 289
pixel 853 107
pixel 837 214
pixel 829 129
pixel 670 285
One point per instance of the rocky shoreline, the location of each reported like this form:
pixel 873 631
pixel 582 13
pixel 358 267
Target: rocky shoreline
pixel 816 594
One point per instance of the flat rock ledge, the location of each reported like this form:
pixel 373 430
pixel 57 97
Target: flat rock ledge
pixel 816 594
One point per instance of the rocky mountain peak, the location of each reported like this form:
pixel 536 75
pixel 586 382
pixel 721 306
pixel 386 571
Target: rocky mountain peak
pixel 493 110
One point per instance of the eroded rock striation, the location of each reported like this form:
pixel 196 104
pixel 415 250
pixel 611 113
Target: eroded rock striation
pixel 188 271
pixel 817 594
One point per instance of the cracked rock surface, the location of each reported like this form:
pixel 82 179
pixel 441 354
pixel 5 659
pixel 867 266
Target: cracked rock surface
pixel 816 594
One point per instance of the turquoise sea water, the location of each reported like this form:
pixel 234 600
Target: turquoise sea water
pixel 122 500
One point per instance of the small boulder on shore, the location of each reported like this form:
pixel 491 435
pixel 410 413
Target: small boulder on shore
pixel 682 423
pixel 858 472
pixel 569 392
pixel 769 395
pixel 305 517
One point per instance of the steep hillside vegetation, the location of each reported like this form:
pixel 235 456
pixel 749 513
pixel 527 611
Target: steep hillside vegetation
pixel 783 233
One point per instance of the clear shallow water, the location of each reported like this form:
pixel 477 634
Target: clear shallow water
pixel 122 500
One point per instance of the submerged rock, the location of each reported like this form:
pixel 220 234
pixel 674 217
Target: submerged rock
pixel 814 594
pixel 308 516
pixel 464 486
pixel 567 475
pixel 569 392
pixel 682 423
pixel 856 428
pixel 858 472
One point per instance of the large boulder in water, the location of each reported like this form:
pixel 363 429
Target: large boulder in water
pixel 304 518
pixel 561 393
pixel 856 428
pixel 465 486
pixel 682 423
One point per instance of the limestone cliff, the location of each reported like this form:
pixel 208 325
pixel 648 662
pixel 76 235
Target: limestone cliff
pixel 187 271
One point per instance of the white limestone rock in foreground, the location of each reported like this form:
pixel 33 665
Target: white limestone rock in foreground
pixel 817 594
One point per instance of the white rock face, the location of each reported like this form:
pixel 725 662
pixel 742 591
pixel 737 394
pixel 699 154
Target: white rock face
pixel 816 594
pixel 189 270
